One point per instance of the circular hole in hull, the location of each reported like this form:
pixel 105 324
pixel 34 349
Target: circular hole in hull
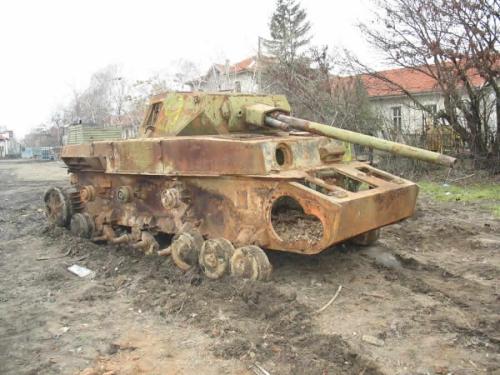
pixel 292 224
pixel 283 155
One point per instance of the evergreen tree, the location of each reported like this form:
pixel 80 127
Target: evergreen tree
pixel 289 31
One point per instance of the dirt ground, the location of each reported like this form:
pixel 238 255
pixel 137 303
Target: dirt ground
pixel 425 300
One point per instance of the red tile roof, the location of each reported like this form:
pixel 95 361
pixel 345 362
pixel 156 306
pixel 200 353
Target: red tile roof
pixel 248 64
pixel 411 80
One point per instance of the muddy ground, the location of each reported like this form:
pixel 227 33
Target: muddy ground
pixel 425 300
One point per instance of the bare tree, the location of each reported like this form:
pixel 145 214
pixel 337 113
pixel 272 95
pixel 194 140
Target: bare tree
pixel 455 42
pixel 138 94
pixel 187 71
pixel 57 120
pixel 316 94
pixel 480 22
pixel 111 99
pixel 105 96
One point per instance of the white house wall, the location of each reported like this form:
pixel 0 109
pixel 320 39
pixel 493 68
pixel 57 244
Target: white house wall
pixel 9 147
pixel 227 82
pixel 411 116
pixel 493 113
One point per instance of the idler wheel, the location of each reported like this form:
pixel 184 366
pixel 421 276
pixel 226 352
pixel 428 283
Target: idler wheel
pixel 185 249
pixel 57 206
pixel 251 262
pixel 82 225
pixel 366 239
pixel 170 198
pixel 215 256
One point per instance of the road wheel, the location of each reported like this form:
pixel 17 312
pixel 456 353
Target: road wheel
pixel 185 249
pixel 57 207
pixel 215 256
pixel 82 225
pixel 251 262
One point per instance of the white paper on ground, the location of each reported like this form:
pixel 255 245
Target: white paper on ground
pixel 80 271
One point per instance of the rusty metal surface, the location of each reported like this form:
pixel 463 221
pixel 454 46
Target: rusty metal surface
pixel 188 113
pixel 274 189
pixel 244 154
pixel 222 200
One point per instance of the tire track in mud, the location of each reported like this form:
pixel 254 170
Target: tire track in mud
pixel 253 321
pixel 466 295
pixel 442 237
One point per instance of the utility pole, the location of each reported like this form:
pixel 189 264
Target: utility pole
pixel 258 65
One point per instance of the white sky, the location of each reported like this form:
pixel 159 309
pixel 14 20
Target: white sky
pixel 47 47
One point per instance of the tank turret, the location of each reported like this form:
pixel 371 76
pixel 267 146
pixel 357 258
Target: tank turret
pixel 188 113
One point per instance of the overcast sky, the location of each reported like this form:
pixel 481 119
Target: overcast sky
pixel 47 47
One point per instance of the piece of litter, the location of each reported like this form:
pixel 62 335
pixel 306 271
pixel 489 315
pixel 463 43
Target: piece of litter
pixel 331 301
pixel 258 369
pixel 447 193
pixel 81 271
pixel 64 329
pixel 372 340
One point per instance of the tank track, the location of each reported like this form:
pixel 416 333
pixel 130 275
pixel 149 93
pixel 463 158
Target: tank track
pixel 215 257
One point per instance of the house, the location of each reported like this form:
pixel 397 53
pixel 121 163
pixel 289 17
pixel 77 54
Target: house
pixel 400 112
pixel 240 77
pixel 406 101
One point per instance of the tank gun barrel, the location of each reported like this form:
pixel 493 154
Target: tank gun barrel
pixel 281 121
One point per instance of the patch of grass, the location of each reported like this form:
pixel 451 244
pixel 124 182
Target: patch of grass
pixel 469 193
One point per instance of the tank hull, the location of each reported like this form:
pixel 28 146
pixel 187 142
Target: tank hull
pixel 241 188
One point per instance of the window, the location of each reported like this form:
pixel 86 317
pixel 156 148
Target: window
pixel 396 118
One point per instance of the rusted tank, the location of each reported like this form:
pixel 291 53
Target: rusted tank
pixel 227 175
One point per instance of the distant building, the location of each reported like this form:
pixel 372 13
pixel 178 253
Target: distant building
pixel 41 153
pixel 9 147
pixel 242 76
